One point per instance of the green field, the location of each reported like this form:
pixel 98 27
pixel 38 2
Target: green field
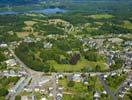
pixel 127 24
pixel 77 68
pixel 101 16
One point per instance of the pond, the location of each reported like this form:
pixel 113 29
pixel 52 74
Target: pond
pixel 45 11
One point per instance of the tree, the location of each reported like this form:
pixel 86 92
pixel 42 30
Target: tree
pixel 18 97
pixel 70 84
pixel 98 67
pixel 2 57
pixel 92 56
pixel 74 59
pixel 3 91
pixel 2 98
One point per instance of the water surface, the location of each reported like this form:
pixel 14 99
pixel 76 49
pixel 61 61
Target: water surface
pixel 45 11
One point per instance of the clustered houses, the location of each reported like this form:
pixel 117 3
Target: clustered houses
pixel 126 86
pixel 88 42
pixel 128 62
pixel 11 62
pixel 128 43
pixel 75 78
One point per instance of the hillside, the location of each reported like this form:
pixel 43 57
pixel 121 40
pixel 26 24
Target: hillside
pixel 17 2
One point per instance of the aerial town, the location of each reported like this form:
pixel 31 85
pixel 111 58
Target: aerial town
pixel 65 50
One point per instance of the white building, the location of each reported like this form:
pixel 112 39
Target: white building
pixel 11 62
pixel 24 98
pixel 3 45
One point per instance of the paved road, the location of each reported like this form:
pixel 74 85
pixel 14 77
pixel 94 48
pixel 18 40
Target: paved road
pixel 54 86
pixel 107 88
pixel 31 74
pixel 124 83
pixel 30 71
pixel 18 89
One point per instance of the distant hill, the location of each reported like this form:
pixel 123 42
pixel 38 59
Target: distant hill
pixel 17 2
pixel 27 2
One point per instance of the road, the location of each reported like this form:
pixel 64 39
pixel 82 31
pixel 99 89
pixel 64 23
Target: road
pixel 20 88
pixel 31 74
pixel 30 71
pixel 124 83
pixel 107 88
pixel 54 86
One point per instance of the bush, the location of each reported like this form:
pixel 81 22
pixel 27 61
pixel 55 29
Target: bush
pixel 70 84
pixel 18 97
pixel 74 59
pixel 3 91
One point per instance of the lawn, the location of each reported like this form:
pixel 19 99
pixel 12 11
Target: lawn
pixel 77 68
pixel 127 24
pixel 101 16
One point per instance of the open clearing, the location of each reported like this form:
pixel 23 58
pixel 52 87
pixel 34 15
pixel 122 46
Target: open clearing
pixel 127 24
pixel 81 64
pixel 101 16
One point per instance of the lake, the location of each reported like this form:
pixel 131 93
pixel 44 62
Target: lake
pixel 45 11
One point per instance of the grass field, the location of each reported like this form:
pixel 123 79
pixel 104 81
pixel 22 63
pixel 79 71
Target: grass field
pixel 127 24
pixel 77 68
pixel 101 16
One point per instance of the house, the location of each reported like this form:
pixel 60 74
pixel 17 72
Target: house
pixel 85 82
pixel 113 74
pixel 22 72
pixel 50 94
pixel 128 43
pixel 43 90
pixel 121 95
pixel 33 97
pixel 43 99
pixel 50 88
pixel 115 40
pixel 27 89
pixel 75 78
pixel 129 54
pixel 24 98
pixel 3 45
pixel 109 61
pixel 29 40
pixel 11 73
pixel 69 52
pixel 60 88
pixel 96 95
pixel 59 96
pixel 105 76
pixel 104 92
pixel 60 76
pixel 11 62
pixel 130 84
pixel 37 89
pixel 48 45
